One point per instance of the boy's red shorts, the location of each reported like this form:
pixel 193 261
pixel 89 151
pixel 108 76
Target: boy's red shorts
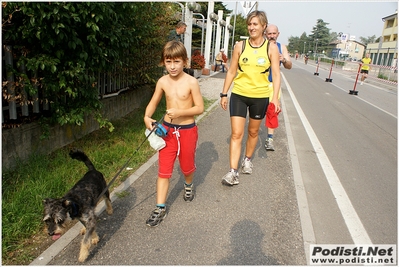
pixel 181 141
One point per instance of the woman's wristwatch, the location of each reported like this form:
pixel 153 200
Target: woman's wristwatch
pixel 223 95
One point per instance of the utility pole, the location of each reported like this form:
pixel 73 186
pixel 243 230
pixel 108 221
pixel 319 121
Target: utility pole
pixel 208 36
pixel 189 30
pixel 234 28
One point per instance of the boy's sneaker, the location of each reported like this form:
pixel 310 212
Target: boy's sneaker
pixel 156 217
pixel 269 144
pixel 231 178
pixel 188 192
pixel 246 166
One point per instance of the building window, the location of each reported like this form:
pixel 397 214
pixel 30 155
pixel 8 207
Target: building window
pixel 390 23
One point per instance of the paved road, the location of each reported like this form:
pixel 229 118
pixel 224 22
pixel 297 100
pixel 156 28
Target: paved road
pixel 347 154
pixel 327 140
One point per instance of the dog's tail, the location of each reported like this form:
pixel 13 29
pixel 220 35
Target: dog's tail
pixel 81 156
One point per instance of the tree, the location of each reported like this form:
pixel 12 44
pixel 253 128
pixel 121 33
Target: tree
pixel 368 40
pixel 300 45
pixel 294 45
pixel 320 37
pixel 217 6
pixel 68 43
pixel 241 28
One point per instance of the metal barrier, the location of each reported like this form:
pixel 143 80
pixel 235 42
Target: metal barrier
pixel 18 106
pixel 385 74
pixel 377 74
pixel 331 68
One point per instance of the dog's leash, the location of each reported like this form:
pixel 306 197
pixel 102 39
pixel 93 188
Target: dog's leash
pixel 159 130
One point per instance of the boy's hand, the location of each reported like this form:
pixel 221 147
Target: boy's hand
pixel 172 113
pixel 149 122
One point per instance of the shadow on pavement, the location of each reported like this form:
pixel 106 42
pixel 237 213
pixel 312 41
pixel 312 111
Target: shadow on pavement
pixel 246 246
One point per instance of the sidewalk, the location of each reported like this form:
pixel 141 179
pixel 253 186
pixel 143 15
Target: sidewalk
pixel 254 223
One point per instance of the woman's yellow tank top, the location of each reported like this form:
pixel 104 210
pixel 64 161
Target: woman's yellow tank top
pixel 253 71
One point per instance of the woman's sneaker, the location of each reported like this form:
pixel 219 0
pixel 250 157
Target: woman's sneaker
pixel 231 178
pixel 156 217
pixel 188 192
pixel 246 166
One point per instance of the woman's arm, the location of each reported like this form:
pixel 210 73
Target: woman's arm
pixel 231 73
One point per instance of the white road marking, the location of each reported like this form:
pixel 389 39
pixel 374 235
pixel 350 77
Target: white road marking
pixel 371 104
pixel 355 226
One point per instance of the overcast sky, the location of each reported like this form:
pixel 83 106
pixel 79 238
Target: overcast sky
pixel 358 18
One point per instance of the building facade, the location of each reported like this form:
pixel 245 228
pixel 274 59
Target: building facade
pixel 385 52
pixel 349 49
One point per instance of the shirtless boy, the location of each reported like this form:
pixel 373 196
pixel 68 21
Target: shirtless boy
pixel 183 102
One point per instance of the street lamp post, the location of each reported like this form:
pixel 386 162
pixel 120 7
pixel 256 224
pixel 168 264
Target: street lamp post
pixel 182 9
pixel 208 35
pixel 188 15
pixel 315 52
pixel 202 33
pixel 229 29
pixel 304 45
pixel 234 28
pixel 222 23
pixel 214 18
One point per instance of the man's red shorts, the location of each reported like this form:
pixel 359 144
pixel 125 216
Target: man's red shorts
pixel 181 142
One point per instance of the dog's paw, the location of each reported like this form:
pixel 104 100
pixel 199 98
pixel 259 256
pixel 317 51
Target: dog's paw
pixel 83 231
pixel 95 240
pixel 82 258
pixel 110 211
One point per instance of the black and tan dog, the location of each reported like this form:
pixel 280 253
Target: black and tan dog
pixel 79 203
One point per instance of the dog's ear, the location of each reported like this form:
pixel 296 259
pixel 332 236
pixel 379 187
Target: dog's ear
pixel 47 201
pixel 46 217
pixel 66 203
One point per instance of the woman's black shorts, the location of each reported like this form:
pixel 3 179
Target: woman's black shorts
pixel 239 105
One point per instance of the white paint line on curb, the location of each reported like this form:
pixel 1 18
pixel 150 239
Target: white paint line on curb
pixel 304 213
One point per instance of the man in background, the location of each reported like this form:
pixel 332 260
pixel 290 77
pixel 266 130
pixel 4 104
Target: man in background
pixel 177 34
pixel 272 34
pixel 222 58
